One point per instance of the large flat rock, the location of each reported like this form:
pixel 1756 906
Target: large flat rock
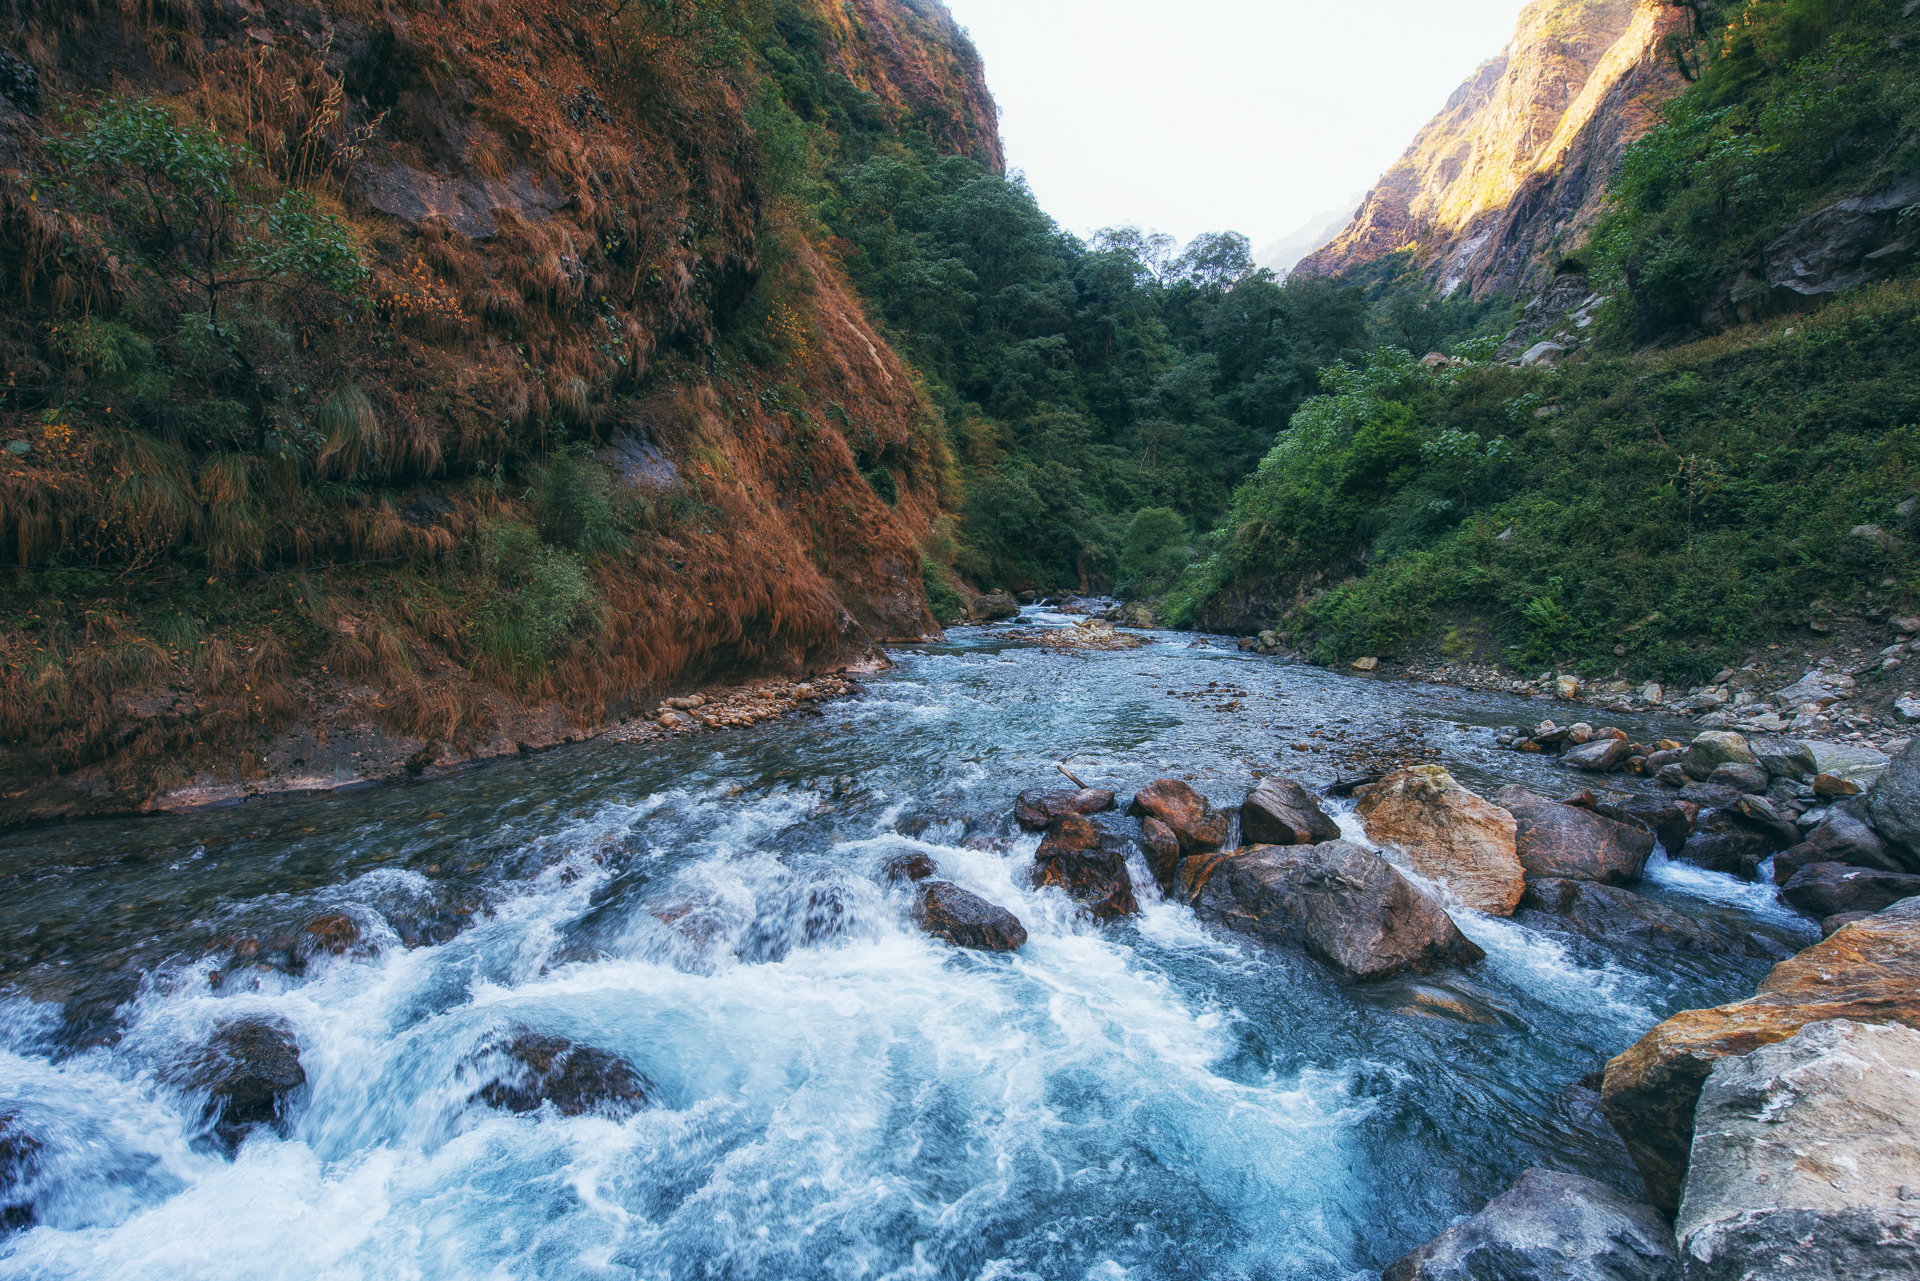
pixel 1806 1160
pixel 1867 972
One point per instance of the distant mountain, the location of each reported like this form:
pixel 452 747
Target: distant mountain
pixel 1514 169
pixel 1284 254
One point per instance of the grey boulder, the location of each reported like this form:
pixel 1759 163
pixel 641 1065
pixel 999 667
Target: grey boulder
pixel 1549 1227
pixel 1893 807
pixel 1611 915
pixel 1344 905
pixel 1281 812
pixel 1805 1158
pixel 1828 889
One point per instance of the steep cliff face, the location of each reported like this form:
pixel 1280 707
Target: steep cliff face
pixel 1513 170
pixel 598 419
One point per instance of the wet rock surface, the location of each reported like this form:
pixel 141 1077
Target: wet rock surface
pixel 1449 834
pixel 1281 812
pixel 532 1069
pixel 1805 1163
pixel 1191 817
pixel 19 1165
pixel 1089 862
pixel 1549 1227
pixel 1553 840
pixel 247 1068
pixel 964 919
pixel 1867 972
pixel 1344 905
pixel 1037 807
pixel 1828 889
pixel 908 866
pixel 1611 915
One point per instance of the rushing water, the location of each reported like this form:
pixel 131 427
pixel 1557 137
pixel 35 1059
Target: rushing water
pixel 840 1096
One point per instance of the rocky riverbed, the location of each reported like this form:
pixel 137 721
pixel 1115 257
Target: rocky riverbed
pixel 1015 960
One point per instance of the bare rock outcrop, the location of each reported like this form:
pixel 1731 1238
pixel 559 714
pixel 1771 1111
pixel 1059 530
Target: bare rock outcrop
pixel 1449 834
pixel 1342 904
pixel 1806 1160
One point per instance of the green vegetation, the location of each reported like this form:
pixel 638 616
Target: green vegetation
pixel 1642 514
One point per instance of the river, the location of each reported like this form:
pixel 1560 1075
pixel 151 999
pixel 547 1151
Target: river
pixel 839 1096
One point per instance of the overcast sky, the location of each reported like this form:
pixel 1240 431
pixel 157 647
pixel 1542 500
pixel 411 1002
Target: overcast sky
pixel 1219 115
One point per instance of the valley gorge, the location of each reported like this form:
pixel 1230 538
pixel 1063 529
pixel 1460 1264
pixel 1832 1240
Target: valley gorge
pixel 621 660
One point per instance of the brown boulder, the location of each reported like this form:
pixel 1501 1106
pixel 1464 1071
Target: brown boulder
pixel 1598 756
pixel 1163 853
pixel 1449 834
pixel 1090 864
pixel 1036 807
pixel 908 865
pixel 1281 812
pixel 1868 971
pixel 1339 903
pixel 576 1079
pixel 1567 842
pixel 948 912
pixel 1192 818
pixel 1669 818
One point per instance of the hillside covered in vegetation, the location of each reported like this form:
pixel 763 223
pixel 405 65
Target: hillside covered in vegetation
pixel 1725 456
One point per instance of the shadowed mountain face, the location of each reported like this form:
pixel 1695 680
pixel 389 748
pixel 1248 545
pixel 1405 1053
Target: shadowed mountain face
pixel 1514 169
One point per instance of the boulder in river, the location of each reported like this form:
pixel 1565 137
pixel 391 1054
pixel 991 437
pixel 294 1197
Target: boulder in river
pixel 1893 806
pixel 908 865
pixel 1163 852
pixel 1741 777
pixel 1342 904
pixel 1845 839
pixel 1200 827
pixel 1549 1226
pixel 1611 915
pixel 1669 818
pixel 247 1069
pixel 19 1167
pixel 1828 889
pixel 1715 748
pixel 993 606
pixel 1090 864
pixel 1868 972
pixel 1599 756
pixel 1806 1160
pixel 1281 812
pixel 577 1079
pixel 1555 840
pixel 1036 807
pixel 948 912
pixel 1449 834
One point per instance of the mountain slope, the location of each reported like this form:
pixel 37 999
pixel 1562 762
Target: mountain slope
pixel 514 390
pixel 1513 170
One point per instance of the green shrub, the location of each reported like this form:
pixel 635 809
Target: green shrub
pixel 946 604
pixel 573 502
pixel 539 595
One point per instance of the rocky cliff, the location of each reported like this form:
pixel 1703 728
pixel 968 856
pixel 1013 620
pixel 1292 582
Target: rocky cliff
pixel 595 415
pixel 1513 170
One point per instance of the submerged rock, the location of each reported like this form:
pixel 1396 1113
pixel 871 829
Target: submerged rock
pixel 247 1069
pixel 19 1167
pixel 1342 904
pixel 1566 841
pixel 963 919
pixel 1611 915
pixel 1828 889
pixel 1549 1227
pixel 1281 812
pixel 577 1079
pixel 1805 1163
pixel 1090 864
pixel 1036 807
pixel 1868 972
pixel 1191 817
pixel 1449 834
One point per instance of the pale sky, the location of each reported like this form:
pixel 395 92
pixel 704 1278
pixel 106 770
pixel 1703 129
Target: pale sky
pixel 1219 115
